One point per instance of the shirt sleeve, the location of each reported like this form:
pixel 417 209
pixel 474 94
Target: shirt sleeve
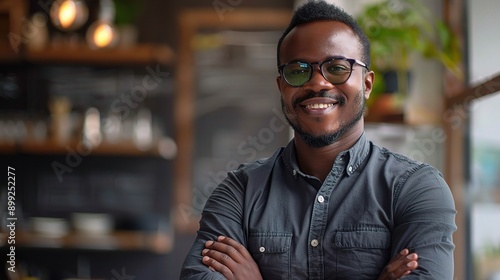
pixel 424 223
pixel 222 215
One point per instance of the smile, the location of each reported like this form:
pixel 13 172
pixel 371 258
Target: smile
pixel 319 106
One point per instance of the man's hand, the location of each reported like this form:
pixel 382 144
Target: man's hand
pixel 402 264
pixel 231 259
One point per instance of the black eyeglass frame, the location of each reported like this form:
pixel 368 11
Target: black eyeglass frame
pixel 351 61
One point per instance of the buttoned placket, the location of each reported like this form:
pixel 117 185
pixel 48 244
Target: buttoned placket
pixel 319 218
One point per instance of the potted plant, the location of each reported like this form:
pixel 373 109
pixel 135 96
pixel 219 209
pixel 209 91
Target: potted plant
pixel 127 14
pixel 398 29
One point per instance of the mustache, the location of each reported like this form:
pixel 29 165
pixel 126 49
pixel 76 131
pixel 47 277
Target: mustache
pixel 311 94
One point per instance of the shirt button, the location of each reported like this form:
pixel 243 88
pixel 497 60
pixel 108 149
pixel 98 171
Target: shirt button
pixel 350 168
pixel 321 199
pixel 314 243
pixel 262 249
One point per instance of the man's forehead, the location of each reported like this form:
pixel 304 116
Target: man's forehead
pixel 323 26
pixel 320 34
pixel 320 31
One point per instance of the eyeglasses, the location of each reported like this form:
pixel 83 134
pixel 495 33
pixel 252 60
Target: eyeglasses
pixel 337 70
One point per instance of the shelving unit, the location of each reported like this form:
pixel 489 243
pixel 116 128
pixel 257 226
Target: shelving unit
pixel 81 55
pixel 123 148
pixel 110 176
pixel 118 240
pixel 141 54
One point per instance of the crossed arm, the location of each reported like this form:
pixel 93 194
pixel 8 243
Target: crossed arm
pixel 430 210
pixel 233 261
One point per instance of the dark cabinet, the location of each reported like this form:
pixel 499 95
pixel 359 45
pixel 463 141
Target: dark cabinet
pixel 89 134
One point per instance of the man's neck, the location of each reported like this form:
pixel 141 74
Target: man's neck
pixel 319 161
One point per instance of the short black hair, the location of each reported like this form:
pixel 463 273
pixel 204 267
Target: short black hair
pixel 322 11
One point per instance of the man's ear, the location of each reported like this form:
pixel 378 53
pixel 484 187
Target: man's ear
pixel 368 82
pixel 279 82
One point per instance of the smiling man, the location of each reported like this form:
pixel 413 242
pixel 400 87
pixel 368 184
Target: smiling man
pixel 331 204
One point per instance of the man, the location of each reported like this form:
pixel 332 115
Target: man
pixel 330 205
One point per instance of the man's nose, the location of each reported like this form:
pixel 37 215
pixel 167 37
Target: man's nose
pixel 318 82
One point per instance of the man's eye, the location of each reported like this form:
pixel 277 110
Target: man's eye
pixel 337 69
pixel 298 71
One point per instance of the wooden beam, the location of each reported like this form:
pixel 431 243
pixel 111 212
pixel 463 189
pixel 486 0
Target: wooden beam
pixel 454 176
pixel 190 23
pixel 457 114
pixel 455 141
pixel 244 18
pixel 491 86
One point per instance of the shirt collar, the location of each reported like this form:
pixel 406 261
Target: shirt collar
pixel 353 157
pixel 356 154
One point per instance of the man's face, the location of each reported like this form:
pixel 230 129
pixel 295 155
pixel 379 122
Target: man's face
pixel 320 112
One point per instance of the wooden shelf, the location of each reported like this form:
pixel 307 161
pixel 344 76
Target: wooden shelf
pixel 140 54
pixel 7 54
pixel 8 147
pixel 124 148
pixel 118 240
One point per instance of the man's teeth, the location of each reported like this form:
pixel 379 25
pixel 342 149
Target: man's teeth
pixel 318 106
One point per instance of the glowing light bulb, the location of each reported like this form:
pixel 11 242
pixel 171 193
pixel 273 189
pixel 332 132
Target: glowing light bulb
pixel 101 34
pixel 67 14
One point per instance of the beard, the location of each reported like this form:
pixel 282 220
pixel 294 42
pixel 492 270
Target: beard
pixel 319 141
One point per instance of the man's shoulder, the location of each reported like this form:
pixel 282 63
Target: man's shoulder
pixel 403 170
pixel 397 161
pixel 259 164
pixel 254 173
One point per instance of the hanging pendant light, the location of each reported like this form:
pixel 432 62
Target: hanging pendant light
pixel 68 15
pixel 102 33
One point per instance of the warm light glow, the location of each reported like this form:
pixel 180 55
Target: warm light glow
pixel 67 13
pixel 103 35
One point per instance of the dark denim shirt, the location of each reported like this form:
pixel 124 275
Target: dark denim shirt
pixel 373 204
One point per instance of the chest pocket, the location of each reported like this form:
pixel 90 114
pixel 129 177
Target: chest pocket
pixel 362 252
pixel 271 251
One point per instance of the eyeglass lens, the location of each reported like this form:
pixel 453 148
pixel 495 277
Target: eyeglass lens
pixel 336 71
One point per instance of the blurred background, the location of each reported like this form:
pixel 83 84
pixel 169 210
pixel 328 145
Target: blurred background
pixel 119 118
